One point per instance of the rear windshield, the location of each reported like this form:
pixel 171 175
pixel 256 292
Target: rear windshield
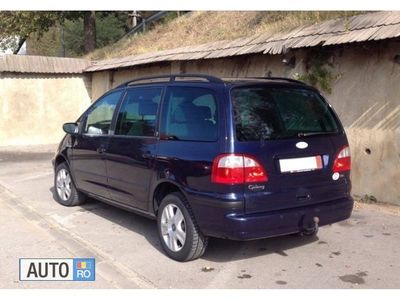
pixel 263 113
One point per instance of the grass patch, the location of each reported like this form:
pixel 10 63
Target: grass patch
pixel 203 27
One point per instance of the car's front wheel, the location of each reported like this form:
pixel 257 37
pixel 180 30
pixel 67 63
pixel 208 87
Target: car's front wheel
pixel 65 190
pixel 179 234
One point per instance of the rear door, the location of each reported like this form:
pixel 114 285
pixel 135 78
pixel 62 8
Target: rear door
pixel 294 134
pixel 132 150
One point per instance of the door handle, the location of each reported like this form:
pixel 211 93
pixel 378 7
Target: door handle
pixel 147 154
pixel 101 149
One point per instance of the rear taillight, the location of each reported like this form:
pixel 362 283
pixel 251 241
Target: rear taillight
pixel 342 161
pixel 237 169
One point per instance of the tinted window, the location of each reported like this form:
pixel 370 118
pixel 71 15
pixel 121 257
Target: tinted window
pixel 190 114
pixel 268 113
pixel 137 116
pixel 100 115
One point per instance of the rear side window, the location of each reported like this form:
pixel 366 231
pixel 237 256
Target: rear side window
pixel 191 114
pixel 267 113
pixel 137 116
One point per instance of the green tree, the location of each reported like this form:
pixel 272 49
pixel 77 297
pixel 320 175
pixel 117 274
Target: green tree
pixel 89 28
pixel 17 26
pixel 109 28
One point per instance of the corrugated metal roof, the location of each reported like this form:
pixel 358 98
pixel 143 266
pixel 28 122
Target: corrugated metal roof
pixel 42 64
pixel 361 28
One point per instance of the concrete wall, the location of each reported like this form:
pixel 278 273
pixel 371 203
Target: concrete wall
pixel 367 99
pixel 365 94
pixel 33 107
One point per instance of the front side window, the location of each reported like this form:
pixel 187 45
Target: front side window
pixel 137 116
pixel 268 113
pixel 99 116
pixel 191 114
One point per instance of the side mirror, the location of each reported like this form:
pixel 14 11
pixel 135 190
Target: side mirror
pixel 71 128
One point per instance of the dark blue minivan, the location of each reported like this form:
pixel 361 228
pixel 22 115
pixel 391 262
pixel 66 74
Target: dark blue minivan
pixel 243 158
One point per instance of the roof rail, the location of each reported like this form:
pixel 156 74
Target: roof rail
pixel 172 78
pixel 280 78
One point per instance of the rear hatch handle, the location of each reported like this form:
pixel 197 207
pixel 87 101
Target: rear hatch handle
pixel 304 197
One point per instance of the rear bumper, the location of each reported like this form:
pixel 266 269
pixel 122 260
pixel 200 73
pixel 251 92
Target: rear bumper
pixel 238 226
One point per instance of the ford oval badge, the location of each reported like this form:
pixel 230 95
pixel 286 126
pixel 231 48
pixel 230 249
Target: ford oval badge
pixel 302 145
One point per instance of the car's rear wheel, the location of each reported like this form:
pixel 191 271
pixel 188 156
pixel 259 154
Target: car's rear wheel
pixel 65 190
pixel 179 234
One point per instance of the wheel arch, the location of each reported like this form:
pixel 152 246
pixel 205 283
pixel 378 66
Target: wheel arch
pixel 161 190
pixel 60 159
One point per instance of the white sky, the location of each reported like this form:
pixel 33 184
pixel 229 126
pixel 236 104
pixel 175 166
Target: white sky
pixel 5 52
pixel 21 51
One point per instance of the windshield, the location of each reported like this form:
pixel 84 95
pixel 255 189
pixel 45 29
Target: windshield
pixel 280 112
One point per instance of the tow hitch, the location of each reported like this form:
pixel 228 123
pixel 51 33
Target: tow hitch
pixel 310 228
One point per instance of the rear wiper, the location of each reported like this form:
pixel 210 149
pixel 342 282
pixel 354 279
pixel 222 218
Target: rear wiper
pixel 303 134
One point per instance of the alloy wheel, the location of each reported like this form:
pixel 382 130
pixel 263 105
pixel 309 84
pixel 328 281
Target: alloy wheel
pixel 173 227
pixel 63 184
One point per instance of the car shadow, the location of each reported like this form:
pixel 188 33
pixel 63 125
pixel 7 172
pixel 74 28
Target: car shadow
pixel 218 250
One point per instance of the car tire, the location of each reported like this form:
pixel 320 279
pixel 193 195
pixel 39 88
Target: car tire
pixel 64 188
pixel 179 234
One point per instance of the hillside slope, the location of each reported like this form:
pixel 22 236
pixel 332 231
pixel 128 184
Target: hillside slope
pixel 202 27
